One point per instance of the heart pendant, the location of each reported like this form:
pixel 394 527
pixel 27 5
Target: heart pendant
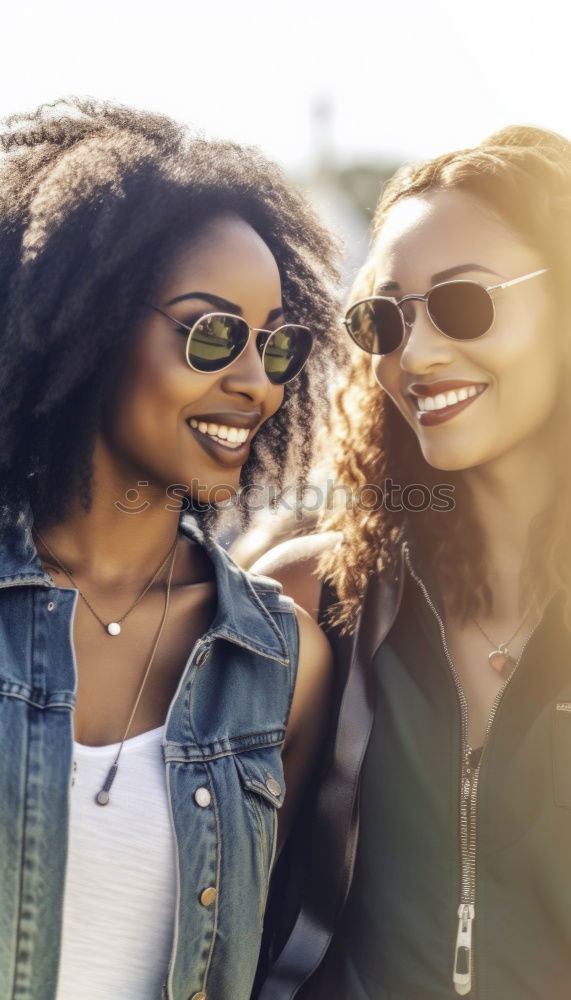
pixel 501 661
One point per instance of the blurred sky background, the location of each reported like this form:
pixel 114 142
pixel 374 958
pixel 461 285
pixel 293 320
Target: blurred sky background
pixel 339 93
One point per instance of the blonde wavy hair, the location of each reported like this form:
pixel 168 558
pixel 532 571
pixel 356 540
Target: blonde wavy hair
pixel 524 174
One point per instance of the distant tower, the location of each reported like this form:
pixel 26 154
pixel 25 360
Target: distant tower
pixel 322 112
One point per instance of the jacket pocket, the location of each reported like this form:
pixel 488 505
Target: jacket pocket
pixel 262 779
pixel 561 754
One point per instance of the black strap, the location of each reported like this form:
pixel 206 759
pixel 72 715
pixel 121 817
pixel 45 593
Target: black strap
pixel 335 828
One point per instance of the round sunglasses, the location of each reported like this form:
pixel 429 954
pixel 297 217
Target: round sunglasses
pixel 461 309
pixel 218 339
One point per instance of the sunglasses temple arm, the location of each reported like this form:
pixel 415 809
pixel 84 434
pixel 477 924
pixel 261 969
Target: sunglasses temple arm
pixel 516 281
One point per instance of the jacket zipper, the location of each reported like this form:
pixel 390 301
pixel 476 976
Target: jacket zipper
pixel 469 779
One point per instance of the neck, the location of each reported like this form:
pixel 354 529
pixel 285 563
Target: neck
pixel 113 544
pixel 508 494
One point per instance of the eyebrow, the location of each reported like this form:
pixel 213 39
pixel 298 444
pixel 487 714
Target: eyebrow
pixel 450 272
pixel 460 268
pixel 220 303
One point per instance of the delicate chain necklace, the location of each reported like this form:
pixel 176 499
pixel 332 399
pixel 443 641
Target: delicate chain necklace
pixel 500 658
pixel 102 797
pixel 114 627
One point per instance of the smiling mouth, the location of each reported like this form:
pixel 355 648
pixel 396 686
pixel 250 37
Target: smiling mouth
pixel 226 435
pixel 445 400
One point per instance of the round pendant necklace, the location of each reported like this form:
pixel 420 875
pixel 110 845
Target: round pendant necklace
pixel 500 658
pixel 114 627
pixel 103 795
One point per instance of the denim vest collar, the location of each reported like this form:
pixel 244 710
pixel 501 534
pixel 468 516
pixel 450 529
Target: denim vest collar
pixel 241 615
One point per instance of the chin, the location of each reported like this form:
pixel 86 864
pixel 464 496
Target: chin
pixel 448 460
pixel 202 489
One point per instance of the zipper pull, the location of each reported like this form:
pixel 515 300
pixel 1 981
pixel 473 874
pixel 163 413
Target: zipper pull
pixel 462 977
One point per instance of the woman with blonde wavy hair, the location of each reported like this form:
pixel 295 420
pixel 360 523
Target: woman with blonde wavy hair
pixel 443 829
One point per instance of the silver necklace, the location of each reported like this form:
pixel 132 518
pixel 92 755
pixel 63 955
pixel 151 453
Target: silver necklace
pixel 114 627
pixel 103 795
pixel 500 658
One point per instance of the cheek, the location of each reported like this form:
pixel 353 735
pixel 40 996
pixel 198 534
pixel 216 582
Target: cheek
pixel 387 372
pixel 528 366
pixel 528 393
pixel 164 379
pixel 153 394
pixel 383 370
pixel 274 400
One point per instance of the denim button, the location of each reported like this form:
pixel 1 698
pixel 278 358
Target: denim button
pixel 208 896
pixel 273 786
pixel 202 656
pixel 51 606
pixel 202 797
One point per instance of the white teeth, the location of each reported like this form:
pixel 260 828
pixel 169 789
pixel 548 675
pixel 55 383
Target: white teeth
pixel 232 437
pixel 450 398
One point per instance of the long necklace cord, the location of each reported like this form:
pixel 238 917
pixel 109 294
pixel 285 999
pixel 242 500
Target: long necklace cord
pixel 103 796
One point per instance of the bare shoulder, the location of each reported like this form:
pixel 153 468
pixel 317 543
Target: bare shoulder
pixel 295 563
pixel 309 711
pixel 313 682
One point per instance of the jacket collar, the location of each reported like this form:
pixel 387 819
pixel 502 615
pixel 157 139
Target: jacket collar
pixel 19 562
pixel 381 605
pixel 241 615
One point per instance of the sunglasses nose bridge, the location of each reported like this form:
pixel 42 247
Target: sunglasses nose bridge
pixel 423 347
pixel 261 337
pixel 246 374
pixel 409 315
pixel 257 339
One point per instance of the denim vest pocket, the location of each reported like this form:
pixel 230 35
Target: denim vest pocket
pixel 262 779
pixel 561 754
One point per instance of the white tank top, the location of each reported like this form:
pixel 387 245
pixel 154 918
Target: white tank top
pixel 120 890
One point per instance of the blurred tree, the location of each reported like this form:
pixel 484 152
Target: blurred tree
pixel 346 194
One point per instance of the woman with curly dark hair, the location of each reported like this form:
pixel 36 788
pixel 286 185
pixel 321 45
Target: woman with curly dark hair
pixel 450 568
pixel 160 294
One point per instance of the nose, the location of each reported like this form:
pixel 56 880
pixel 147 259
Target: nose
pixel 424 346
pixel 247 376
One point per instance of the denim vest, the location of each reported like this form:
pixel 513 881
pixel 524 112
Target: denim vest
pixel 224 733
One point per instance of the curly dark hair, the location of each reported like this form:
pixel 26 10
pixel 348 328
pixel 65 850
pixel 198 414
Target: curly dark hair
pixel 524 174
pixel 94 200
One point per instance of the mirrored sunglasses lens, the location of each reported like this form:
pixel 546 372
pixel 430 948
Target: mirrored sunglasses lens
pixel 462 309
pixel 215 341
pixel 286 352
pixel 376 326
